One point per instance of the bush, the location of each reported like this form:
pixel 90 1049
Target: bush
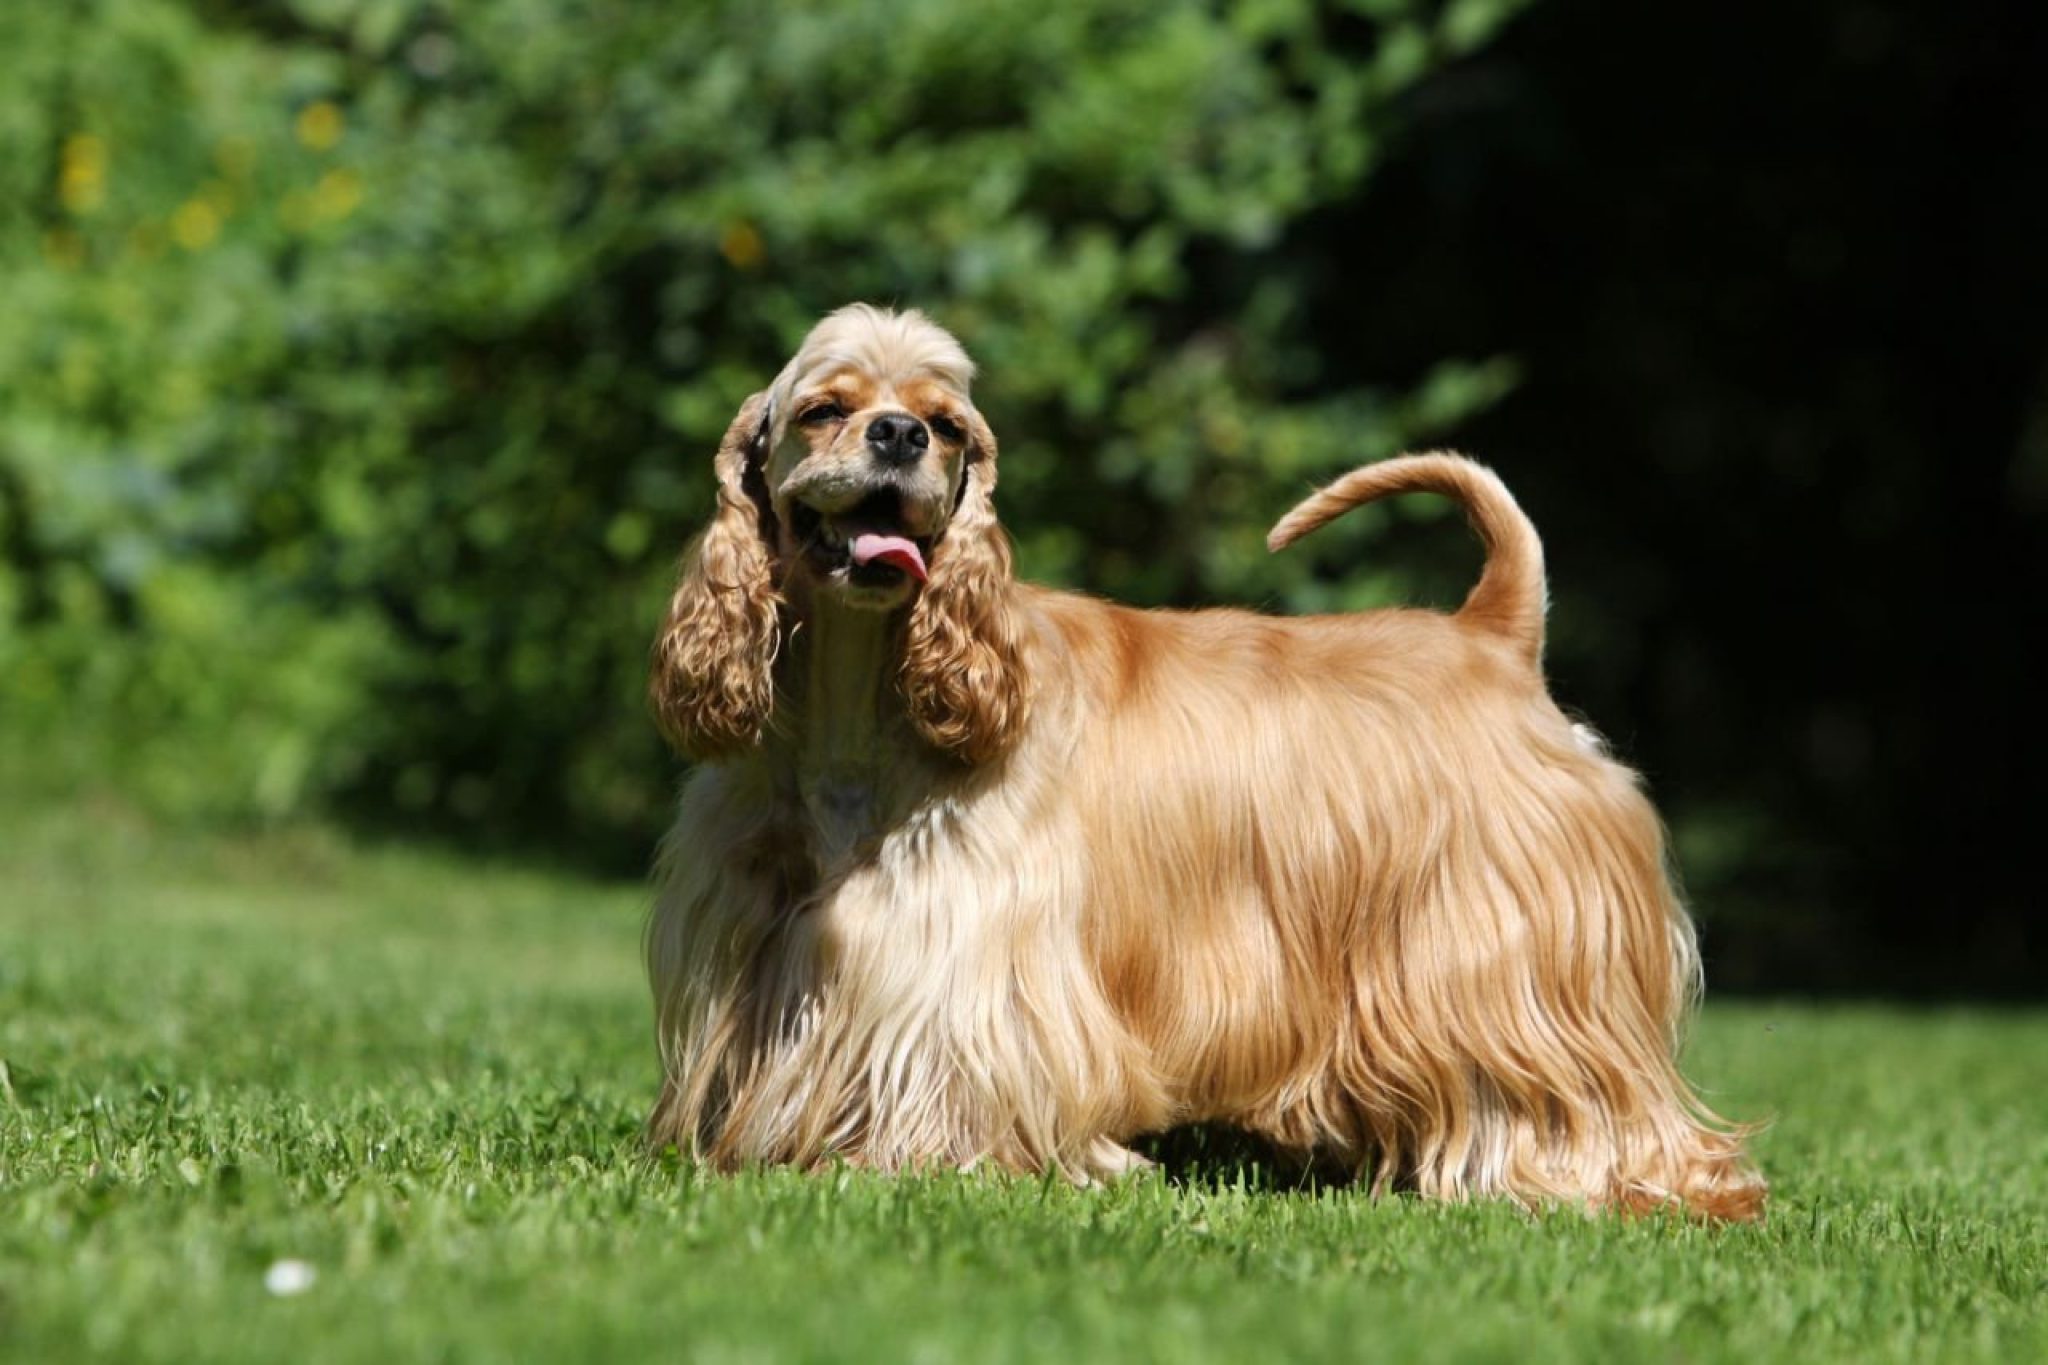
pixel 364 359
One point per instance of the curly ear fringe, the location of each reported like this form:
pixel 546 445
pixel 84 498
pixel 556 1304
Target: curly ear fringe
pixel 963 678
pixel 712 678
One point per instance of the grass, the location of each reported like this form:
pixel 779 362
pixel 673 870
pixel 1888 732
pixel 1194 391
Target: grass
pixel 424 1076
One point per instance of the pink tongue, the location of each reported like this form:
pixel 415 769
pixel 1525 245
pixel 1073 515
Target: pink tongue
pixel 892 550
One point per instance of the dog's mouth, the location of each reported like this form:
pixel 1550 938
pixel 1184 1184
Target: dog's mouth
pixel 869 541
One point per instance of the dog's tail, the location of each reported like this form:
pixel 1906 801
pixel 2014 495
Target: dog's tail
pixel 1509 598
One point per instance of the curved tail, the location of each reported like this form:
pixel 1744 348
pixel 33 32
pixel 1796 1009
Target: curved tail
pixel 1509 598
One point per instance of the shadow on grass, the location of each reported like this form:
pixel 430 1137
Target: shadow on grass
pixel 1212 1157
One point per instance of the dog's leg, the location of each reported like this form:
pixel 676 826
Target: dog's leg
pixel 1517 1018
pixel 966 1017
pixel 1109 1160
pixel 732 965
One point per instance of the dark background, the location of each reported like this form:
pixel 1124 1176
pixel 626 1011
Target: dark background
pixel 361 365
pixel 1776 273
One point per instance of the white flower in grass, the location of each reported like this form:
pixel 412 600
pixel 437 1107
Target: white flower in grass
pixel 288 1277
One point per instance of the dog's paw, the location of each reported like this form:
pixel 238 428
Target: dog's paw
pixel 1107 1160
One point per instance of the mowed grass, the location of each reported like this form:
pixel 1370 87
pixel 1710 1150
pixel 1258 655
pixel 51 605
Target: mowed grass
pixel 423 1076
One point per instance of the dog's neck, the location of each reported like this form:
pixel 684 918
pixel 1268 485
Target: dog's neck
pixel 844 726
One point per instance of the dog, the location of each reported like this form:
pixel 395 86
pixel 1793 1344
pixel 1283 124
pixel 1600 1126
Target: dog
pixel 975 871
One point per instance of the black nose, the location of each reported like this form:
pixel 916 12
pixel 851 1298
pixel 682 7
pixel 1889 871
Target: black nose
pixel 898 438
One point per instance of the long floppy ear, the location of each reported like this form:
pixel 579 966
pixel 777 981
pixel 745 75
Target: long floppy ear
pixel 963 676
pixel 712 679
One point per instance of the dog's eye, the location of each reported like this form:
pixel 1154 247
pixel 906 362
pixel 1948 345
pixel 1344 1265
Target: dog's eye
pixel 946 427
pixel 819 415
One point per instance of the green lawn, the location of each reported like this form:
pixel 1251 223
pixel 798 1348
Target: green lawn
pixel 423 1076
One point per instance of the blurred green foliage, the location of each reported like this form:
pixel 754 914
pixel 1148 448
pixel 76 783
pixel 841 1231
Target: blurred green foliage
pixel 361 359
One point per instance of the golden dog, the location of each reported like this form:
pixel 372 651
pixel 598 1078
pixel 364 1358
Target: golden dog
pixel 972 870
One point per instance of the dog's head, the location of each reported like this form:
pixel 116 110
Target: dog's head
pixel 867 441
pixel 863 474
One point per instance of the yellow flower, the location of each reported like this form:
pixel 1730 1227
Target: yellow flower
pixel 337 195
pixel 319 125
pixel 741 245
pixel 81 193
pixel 82 174
pixel 195 224
pixel 85 151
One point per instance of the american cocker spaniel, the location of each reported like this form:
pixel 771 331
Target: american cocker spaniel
pixel 972 870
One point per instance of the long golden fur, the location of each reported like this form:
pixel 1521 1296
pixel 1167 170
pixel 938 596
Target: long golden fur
pixel 981 871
